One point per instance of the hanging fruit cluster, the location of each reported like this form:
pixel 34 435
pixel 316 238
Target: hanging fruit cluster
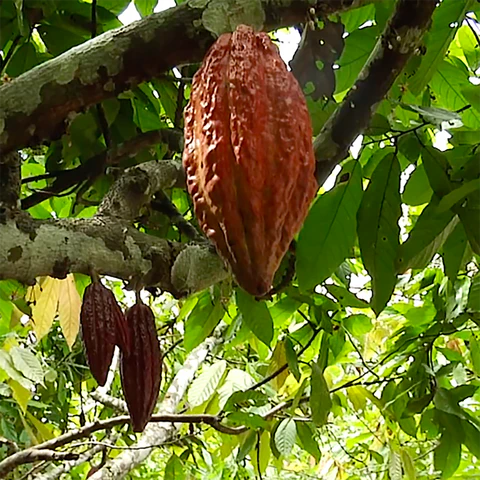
pixel 248 155
pixel 104 326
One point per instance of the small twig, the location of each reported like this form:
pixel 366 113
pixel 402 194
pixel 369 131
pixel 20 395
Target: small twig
pixel 284 366
pixel 163 204
pixel 180 99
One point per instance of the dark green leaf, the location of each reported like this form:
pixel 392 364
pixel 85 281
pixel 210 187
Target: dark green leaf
pixel 453 252
pixel 437 41
pixel 292 359
pixel 145 7
pixel 201 321
pixel 256 316
pixel 417 190
pixel 175 468
pixel 447 455
pixel 346 298
pixel 378 231
pixel 474 294
pixel 328 233
pixel 320 401
pixel 307 441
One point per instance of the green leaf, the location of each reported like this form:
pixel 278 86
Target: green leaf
pixel 320 401
pixel 436 166
pixel 248 443
pixel 245 399
pixel 174 469
pixel 145 7
pixel 437 41
pixel 247 419
pixel 426 237
pixel 21 394
pixel 448 84
pixel 167 91
pixel 27 363
pixel 436 116
pixel 447 455
pixel 417 190
pixel 256 316
pixel 471 438
pixel 307 440
pixel 285 436
pixel 237 380
pixel 471 223
pixel 358 47
pixel 358 325
pixel 346 298
pixel 292 359
pixel 473 302
pixel 205 385
pixel 378 230
pixel 328 233
pixel 457 195
pixel 475 354
pixel 453 252
pixel 202 321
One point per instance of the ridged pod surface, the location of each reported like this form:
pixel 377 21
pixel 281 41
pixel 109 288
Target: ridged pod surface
pixel 248 155
pixel 141 371
pixel 101 317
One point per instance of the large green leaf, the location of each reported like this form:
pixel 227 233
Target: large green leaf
pixel 285 436
pixel 202 320
pixel 470 218
pixel 307 440
pixel 328 233
pixel 448 84
pixel 320 401
pixel 205 385
pixel 453 252
pixel 256 316
pixel 417 190
pixel 358 46
pixel 449 13
pixel 378 230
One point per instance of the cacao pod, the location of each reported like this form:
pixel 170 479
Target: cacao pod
pixel 248 155
pixel 141 371
pixel 101 318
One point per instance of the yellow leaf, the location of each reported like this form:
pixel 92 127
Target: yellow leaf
pixel 69 305
pixel 9 343
pixel 45 305
pixel 279 358
pixel 43 429
pixel 21 394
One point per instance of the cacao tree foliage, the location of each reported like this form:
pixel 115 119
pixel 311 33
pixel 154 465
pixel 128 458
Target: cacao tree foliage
pixel 364 362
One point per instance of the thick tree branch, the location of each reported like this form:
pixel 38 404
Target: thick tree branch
pixel 108 244
pixel 394 48
pixel 116 61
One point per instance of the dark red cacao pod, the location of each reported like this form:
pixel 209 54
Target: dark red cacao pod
pixel 141 371
pixel 101 318
pixel 248 155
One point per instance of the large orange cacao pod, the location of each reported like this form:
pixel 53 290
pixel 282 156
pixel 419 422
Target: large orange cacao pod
pixel 102 323
pixel 141 370
pixel 248 155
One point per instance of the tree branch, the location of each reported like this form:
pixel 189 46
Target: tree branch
pixel 394 48
pixel 108 244
pixel 116 61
